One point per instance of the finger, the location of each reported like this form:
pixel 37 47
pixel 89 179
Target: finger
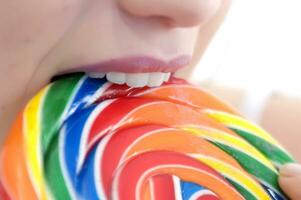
pixel 290 180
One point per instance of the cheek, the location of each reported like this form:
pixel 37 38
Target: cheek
pixel 31 27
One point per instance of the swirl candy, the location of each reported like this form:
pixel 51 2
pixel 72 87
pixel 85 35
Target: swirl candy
pixel 85 138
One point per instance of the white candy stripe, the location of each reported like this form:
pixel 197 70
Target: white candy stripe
pixel 201 193
pixel 62 159
pixel 86 130
pixel 98 166
pixel 115 193
pixel 177 187
pixel 97 94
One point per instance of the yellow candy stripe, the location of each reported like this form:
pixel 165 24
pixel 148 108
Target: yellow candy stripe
pixel 234 174
pixel 237 122
pixel 232 141
pixel 32 131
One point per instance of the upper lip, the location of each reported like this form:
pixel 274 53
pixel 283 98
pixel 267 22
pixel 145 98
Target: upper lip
pixel 136 64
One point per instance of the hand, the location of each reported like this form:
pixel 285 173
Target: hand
pixel 290 180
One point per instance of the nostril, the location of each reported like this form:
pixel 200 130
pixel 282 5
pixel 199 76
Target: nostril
pixel 166 21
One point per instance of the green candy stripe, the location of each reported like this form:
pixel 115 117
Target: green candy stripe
pixel 272 152
pixel 253 166
pixel 53 172
pixel 55 104
pixel 243 191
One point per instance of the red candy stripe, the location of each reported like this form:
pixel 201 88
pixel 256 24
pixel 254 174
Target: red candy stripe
pixel 131 178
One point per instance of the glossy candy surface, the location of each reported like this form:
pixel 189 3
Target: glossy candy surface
pixel 85 138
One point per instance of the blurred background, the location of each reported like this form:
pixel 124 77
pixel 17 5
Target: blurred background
pixel 254 63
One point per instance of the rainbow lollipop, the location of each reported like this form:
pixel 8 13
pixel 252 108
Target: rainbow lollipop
pixel 85 138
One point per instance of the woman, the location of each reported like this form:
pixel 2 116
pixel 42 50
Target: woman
pixel 41 39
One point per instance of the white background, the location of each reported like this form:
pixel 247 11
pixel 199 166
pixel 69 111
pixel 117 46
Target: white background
pixel 258 48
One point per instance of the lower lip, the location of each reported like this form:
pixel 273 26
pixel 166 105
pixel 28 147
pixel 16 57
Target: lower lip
pixel 140 64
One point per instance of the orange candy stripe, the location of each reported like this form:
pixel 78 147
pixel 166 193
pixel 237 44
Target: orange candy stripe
pixel 196 97
pixel 170 114
pixel 202 178
pixel 181 141
pixel 14 174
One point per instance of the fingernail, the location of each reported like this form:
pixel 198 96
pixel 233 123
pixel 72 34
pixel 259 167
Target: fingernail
pixel 290 170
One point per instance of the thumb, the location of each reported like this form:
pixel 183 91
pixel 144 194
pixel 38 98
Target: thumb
pixel 290 180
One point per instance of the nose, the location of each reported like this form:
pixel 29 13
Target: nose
pixel 179 13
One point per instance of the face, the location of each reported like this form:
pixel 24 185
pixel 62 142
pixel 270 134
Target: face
pixel 40 39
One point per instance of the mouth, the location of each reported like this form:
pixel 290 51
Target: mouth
pixel 135 71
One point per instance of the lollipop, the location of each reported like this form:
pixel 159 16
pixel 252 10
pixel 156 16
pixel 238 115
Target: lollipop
pixel 85 138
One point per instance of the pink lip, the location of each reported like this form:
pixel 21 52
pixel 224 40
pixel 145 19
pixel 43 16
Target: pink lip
pixel 140 64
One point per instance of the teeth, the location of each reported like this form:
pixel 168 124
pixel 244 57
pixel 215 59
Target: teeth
pixel 116 77
pixel 137 79
pixel 166 76
pixel 96 75
pixel 153 79
pixel 156 79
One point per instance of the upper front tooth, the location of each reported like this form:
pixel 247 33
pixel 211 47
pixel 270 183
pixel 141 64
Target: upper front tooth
pixel 116 77
pixel 96 75
pixel 167 76
pixel 137 79
pixel 156 79
pixel 153 79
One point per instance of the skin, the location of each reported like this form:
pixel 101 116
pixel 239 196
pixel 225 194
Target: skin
pixel 40 39
pixel 290 180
